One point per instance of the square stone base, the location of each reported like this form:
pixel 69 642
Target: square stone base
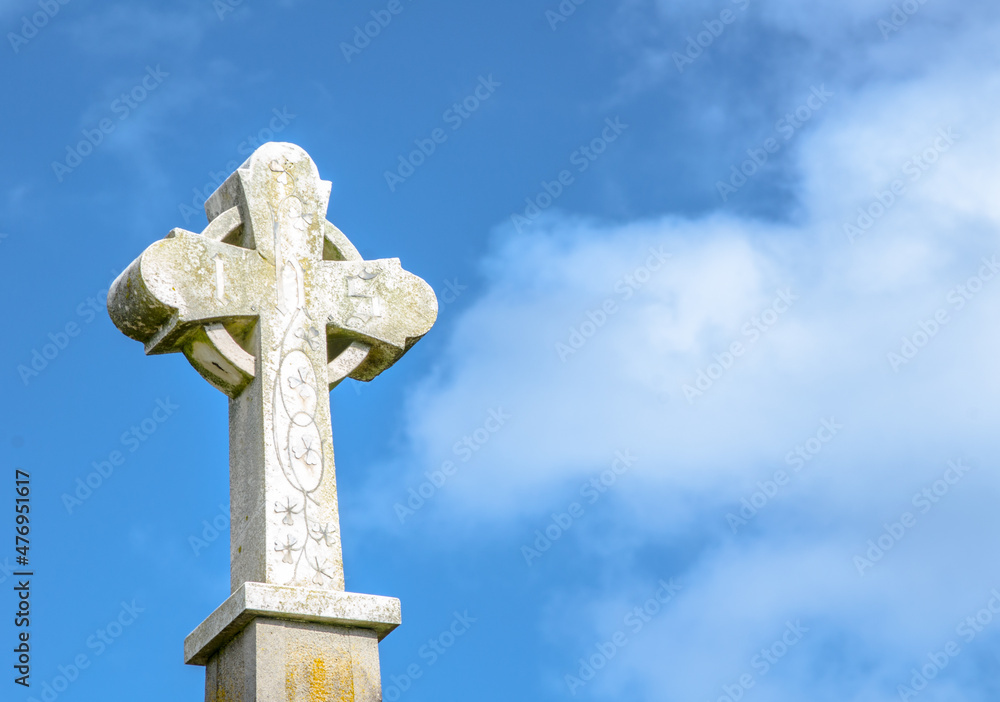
pixel 270 643
pixel 273 660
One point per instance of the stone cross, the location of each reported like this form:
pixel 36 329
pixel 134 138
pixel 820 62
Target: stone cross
pixel 274 306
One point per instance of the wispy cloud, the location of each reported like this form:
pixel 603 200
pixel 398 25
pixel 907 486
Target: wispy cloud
pixel 124 29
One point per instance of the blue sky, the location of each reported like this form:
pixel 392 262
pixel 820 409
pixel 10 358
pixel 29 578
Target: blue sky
pixel 726 270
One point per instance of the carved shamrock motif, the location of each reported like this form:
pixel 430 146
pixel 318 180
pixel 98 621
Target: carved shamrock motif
pixel 288 509
pixel 306 451
pixel 288 547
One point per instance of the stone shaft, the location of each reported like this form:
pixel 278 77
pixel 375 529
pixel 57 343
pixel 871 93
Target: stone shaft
pixel 283 487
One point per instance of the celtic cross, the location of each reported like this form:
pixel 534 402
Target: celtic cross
pixel 274 306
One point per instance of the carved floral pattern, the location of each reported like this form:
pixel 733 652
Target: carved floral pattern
pixel 298 443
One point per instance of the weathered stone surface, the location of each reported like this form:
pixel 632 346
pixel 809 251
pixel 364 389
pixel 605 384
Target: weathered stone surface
pixel 274 306
pixel 280 660
pixel 378 614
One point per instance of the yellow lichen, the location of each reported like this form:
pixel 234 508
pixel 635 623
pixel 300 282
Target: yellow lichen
pixel 290 683
pixel 318 689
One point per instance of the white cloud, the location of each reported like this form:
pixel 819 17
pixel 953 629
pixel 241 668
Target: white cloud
pixel 824 357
